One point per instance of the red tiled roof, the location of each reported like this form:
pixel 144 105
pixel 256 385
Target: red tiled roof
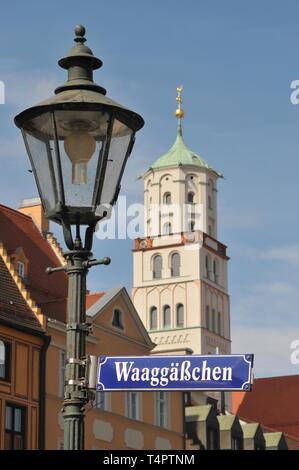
pixel 272 402
pixel 13 306
pixel 93 298
pixel 49 292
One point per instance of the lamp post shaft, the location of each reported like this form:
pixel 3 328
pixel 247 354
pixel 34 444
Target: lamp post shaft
pixel 75 393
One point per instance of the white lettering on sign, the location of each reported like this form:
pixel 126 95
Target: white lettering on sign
pixel 162 376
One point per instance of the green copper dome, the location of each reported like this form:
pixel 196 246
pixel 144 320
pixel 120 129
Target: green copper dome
pixel 179 154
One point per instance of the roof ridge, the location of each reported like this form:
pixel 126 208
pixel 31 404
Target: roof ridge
pixel 277 377
pixel 16 211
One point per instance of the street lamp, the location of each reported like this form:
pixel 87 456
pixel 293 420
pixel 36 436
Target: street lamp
pixel 78 142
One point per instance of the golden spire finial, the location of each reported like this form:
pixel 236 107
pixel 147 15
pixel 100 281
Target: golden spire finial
pixel 179 112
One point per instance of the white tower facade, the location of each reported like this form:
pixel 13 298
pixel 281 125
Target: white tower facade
pixel 180 285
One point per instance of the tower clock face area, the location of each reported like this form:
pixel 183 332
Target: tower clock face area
pixel 180 266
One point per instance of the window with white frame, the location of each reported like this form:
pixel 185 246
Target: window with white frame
pixel 162 409
pixel 180 315
pixel 15 427
pixel 157 267
pixel 175 264
pixel 153 320
pixel 21 269
pixel 4 360
pixel 166 316
pixel 133 405
pixel 62 373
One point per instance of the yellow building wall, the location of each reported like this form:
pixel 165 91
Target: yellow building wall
pixel 23 386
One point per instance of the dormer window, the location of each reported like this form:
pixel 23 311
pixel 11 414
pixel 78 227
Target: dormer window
pixel 20 263
pixel 21 269
pixel 117 319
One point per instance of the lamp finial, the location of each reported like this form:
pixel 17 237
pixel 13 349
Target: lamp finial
pixel 80 33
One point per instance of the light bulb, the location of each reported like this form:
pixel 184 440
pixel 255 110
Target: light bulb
pixel 79 147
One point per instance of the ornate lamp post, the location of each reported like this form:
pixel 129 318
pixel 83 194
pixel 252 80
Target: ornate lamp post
pixel 78 142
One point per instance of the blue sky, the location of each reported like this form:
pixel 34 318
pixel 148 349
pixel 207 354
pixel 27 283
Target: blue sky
pixel 236 61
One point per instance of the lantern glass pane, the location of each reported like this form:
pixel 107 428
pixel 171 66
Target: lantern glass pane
pixel 44 168
pixel 120 140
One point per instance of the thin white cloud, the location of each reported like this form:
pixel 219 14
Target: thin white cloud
pixel 29 89
pixel 239 219
pixel 11 148
pixel 287 254
pixel 271 347
pixel 275 287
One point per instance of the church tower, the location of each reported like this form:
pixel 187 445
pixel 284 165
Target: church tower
pixel 180 267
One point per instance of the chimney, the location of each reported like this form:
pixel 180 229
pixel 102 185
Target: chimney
pixel 34 209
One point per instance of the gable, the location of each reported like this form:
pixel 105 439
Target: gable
pixel 102 313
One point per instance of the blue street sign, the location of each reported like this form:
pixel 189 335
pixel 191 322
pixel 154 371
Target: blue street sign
pixel 150 373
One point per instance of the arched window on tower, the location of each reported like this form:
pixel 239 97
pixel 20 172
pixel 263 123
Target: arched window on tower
pixel 180 315
pixel 157 267
pixel 167 228
pixel 207 317
pixel 208 266
pixel 175 264
pixel 190 197
pixel 192 225
pixel 216 270
pixel 167 198
pixel 153 319
pixel 166 317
